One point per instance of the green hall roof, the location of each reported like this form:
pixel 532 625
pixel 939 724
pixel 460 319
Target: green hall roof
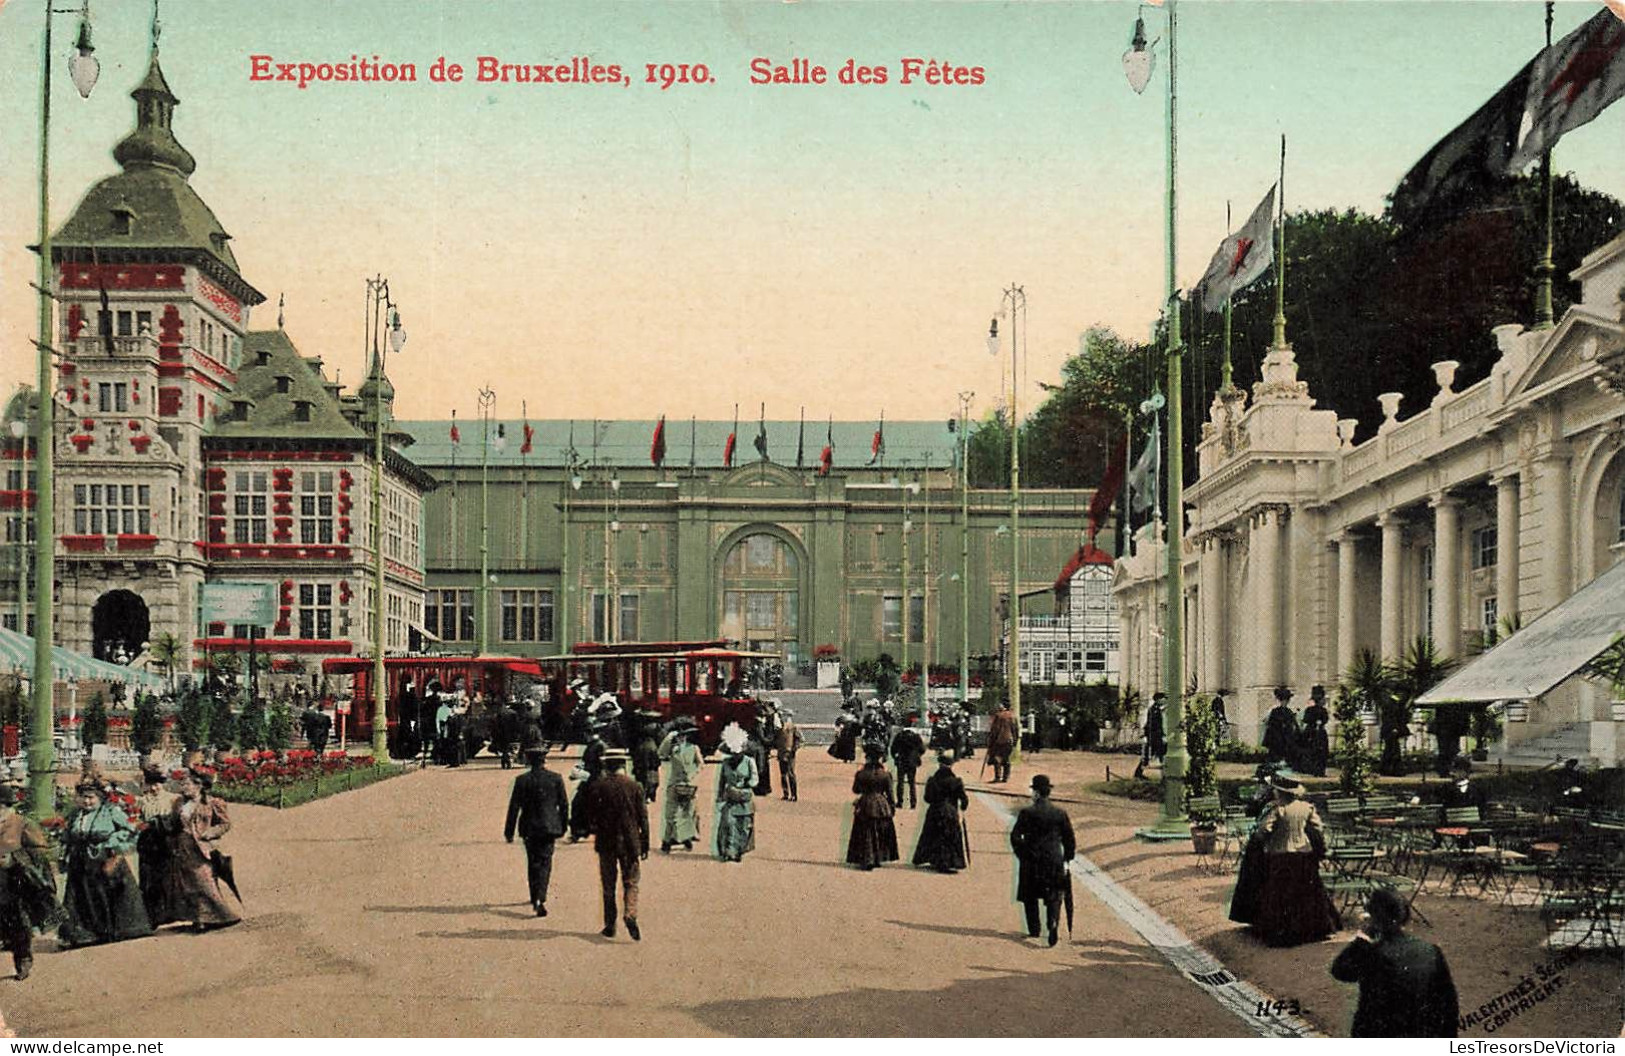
pixel 626 442
pixel 272 414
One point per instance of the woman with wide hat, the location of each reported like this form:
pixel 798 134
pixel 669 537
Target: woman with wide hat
pixel 102 897
pixel 942 837
pixel 194 892
pixel 680 816
pixel 874 835
pixel 157 807
pixel 1292 906
pixel 736 797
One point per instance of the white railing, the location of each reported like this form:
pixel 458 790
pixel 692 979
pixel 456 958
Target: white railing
pixel 1407 435
pixel 1467 406
pixel 1362 458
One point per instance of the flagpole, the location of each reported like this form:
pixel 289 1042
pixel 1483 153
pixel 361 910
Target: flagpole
pixel 524 490
pixel 1016 297
pixel 567 486
pixel 1225 382
pixel 964 546
pixel 1544 270
pixel 482 629
pixel 1280 259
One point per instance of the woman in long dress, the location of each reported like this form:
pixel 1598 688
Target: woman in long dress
pixel 156 804
pixel 1292 906
pixel 102 898
pixel 942 837
pixel 874 835
pixel 680 814
pixel 27 883
pixel 736 797
pixel 845 746
pixel 197 822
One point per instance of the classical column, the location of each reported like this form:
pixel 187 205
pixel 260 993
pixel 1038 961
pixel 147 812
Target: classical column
pixel 1265 547
pixel 1393 545
pixel 1506 545
pixel 1446 629
pixel 1557 507
pixel 1346 588
pixel 1212 601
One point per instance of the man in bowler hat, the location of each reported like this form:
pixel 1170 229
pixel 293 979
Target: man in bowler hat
pixel 539 810
pixel 620 825
pixel 1043 842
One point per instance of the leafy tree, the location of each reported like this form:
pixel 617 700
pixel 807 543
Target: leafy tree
pixel 193 719
pixel 93 723
pixel 166 651
pixel 222 723
pixel 146 726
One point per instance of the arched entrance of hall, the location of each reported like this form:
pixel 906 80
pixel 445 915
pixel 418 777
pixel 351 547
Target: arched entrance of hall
pixel 119 624
pixel 761 586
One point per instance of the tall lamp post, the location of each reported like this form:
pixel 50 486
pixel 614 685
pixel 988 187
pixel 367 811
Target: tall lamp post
pixel 83 69
pixel 482 629
pixel 1138 63
pixel 381 312
pixel 566 585
pixel 964 546
pixel 1014 300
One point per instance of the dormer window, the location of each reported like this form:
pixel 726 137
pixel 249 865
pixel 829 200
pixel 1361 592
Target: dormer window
pixel 240 409
pixel 123 219
pixel 301 410
pixel 284 383
pixel 262 358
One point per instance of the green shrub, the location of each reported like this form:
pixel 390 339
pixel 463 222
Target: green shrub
pixel 222 723
pixel 192 719
pixel 1201 744
pixel 93 727
pixel 146 725
pixel 251 725
pixel 279 726
pixel 1356 764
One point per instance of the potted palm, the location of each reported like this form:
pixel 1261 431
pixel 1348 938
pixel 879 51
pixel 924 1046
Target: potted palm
pixel 1609 666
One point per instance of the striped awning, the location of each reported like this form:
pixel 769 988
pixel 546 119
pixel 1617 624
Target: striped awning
pixel 17 655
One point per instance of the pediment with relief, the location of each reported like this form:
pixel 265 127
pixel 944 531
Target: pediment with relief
pixel 1573 346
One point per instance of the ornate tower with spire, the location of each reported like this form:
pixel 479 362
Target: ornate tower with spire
pixel 152 314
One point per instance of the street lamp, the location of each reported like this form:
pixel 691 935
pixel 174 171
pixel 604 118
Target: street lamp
pixel 83 69
pixel 964 546
pixel 381 311
pixel 1014 300
pixel 612 529
pixel 1172 823
pixel 565 585
pixel 1139 60
pixel 482 630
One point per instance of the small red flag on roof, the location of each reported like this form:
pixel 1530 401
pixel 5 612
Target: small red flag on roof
pixel 456 437
pixel 657 447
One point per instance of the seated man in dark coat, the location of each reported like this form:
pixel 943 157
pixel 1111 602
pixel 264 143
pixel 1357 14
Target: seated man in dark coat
pixel 1405 985
pixel 1043 843
pixel 539 811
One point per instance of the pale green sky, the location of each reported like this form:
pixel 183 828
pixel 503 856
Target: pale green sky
pixel 609 251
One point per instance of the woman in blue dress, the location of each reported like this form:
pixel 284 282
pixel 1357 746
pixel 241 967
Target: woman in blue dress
pixel 103 899
pixel 736 797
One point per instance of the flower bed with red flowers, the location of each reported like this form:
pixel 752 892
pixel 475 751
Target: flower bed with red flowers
pixel 287 779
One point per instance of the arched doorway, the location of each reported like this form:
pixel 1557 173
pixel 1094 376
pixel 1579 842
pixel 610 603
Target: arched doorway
pixel 761 596
pixel 120 626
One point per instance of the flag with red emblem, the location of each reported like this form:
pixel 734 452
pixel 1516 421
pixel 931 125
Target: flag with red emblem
pixel 1572 82
pixel 1243 257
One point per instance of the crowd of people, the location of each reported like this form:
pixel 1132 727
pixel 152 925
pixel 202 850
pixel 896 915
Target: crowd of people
pixel 131 862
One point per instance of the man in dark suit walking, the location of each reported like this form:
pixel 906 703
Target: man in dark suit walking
pixel 540 811
pixel 907 749
pixel 1043 842
pixel 620 826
